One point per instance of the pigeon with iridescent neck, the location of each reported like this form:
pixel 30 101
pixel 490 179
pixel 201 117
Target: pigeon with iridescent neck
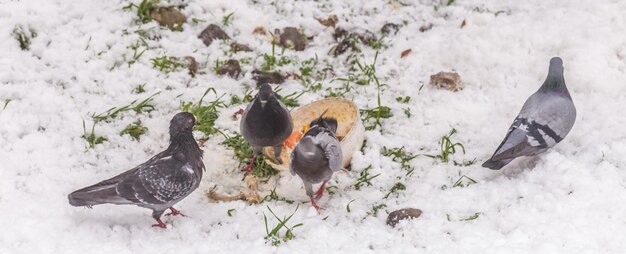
pixel 317 156
pixel 265 122
pixel 158 183
pixel 545 119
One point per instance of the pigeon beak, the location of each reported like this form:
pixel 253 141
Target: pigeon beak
pixel 198 123
pixel 263 102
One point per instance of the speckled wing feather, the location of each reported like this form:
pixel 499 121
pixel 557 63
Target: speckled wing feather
pixel 542 123
pixel 158 181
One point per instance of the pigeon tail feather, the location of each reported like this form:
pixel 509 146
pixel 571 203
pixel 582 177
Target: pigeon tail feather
pixel 496 165
pixel 95 195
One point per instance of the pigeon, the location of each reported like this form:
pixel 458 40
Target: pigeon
pixel 317 156
pixel 158 183
pixel 265 122
pixel 545 119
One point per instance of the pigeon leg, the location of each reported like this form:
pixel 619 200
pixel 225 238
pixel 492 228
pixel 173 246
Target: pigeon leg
pixel 157 216
pixel 250 165
pixel 315 205
pixel 175 212
pixel 159 224
pixel 277 151
pixel 320 191
pixel 256 151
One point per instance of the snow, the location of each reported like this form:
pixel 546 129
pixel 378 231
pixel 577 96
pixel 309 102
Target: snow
pixel 569 200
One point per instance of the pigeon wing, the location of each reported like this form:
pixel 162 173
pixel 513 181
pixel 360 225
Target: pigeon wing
pixel 282 105
pixel 516 143
pixel 332 149
pixel 554 115
pixel 158 181
pixel 291 168
pixel 243 127
pixel 542 123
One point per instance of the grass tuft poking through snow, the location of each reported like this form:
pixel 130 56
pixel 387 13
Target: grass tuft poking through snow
pixel 205 114
pixel 447 148
pixel 134 130
pixel 143 10
pixel 91 137
pixel 274 236
pixel 243 154
pixel 24 36
pixel 364 178
pixel 166 64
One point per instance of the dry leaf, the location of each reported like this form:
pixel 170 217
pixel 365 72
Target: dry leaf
pixel 330 71
pixel 447 80
pixel 331 21
pixel 405 53
pixel 192 65
pixel 463 24
pixel 425 28
pixel 239 112
pixel 293 75
pixel 259 30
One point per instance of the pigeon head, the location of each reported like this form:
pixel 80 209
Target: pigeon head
pixel 555 82
pixel 326 122
pixel 265 94
pixel 556 66
pixel 182 122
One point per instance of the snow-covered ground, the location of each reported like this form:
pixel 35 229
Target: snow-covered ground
pixel 571 199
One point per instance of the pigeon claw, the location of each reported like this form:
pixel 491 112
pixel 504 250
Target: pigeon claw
pixel 320 191
pixel 159 224
pixel 250 166
pixel 174 212
pixel 316 206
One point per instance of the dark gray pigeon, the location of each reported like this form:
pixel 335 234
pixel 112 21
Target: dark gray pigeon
pixel 158 183
pixel 317 156
pixel 545 119
pixel 265 122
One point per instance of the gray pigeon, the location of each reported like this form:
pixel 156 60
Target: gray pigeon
pixel 545 119
pixel 265 122
pixel 158 183
pixel 317 156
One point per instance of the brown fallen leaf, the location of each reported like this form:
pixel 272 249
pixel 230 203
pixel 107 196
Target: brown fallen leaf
pixel 405 53
pixel 211 33
pixel 331 21
pixel 192 65
pixel 291 38
pixel 239 112
pixel 168 16
pixel 236 47
pixel 231 67
pixel 425 28
pixel 463 24
pixel 259 30
pixel 330 71
pixel 293 75
pixel 447 80
pixel 403 214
